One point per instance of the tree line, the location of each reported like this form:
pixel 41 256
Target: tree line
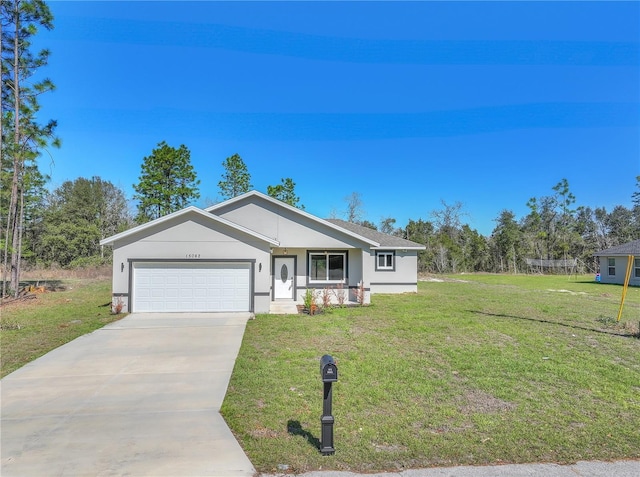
pixel 63 227
pixel 555 229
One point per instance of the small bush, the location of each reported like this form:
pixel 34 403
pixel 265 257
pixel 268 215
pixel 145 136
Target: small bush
pixel 360 293
pixel 117 306
pixel 309 300
pixel 325 296
pixel 340 293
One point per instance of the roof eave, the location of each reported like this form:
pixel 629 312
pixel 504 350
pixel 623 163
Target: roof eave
pixel 398 247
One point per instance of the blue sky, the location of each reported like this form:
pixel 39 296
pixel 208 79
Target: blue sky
pixel 408 104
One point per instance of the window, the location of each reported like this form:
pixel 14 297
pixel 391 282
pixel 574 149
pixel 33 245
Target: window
pixel 385 261
pixel 636 265
pixel 327 266
pixel 612 266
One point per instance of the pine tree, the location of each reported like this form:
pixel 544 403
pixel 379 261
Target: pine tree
pixel 236 179
pixel 285 192
pixel 22 136
pixel 167 184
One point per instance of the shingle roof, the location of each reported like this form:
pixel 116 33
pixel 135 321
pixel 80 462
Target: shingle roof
pixel 385 240
pixel 629 248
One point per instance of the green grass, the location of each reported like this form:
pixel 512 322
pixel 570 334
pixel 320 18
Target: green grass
pixel 491 369
pixel 30 329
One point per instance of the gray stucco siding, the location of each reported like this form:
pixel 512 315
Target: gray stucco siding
pixel 402 279
pixel 191 241
pixel 354 271
pixel 620 270
pixel 250 231
pixel 288 227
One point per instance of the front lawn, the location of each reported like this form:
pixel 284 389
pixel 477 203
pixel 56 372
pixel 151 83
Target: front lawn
pixel 70 308
pixel 476 369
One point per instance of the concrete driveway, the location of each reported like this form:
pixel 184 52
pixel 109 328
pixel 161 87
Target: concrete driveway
pixel 138 397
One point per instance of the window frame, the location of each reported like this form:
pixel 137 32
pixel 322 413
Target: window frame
pixel 636 267
pixel 611 269
pixel 327 254
pixel 386 253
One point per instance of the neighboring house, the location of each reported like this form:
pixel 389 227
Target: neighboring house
pixel 613 263
pixel 251 253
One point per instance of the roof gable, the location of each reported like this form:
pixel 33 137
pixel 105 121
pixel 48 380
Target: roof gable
pixel 184 213
pixel 255 197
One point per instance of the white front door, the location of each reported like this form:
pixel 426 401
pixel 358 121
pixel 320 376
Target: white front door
pixel 283 277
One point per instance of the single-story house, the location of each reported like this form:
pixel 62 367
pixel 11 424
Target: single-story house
pixel 613 263
pixel 251 253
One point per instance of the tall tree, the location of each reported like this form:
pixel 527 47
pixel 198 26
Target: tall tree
pixel 22 136
pixel 78 215
pixel 589 241
pixel 387 225
pixel 448 220
pixel 565 200
pixel 422 232
pixel 285 191
pixel 635 197
pixel 475 250
pixel 167 182
pixel 620 224
pixel 449 252
pixel 355 211
pixel 236 179
pixel 507 237
pixel 32 206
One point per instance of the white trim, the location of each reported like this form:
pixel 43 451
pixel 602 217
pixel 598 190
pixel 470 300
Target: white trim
pixel 609 267
pixel 398 247
pixel 327 255
pixel 383 253
pixel 185 211
pixel 279 203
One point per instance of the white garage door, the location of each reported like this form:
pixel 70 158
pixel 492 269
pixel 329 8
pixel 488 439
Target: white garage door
pixel 185 287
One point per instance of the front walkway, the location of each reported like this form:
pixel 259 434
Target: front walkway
pixel 283 307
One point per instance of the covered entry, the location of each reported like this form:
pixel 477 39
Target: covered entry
pixel 207 286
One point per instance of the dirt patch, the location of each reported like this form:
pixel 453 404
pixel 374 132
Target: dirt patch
pixel 263 432
pixel 389 448
pixel 566 291
pixel 440 279
pixel 446 429
pixel 477 401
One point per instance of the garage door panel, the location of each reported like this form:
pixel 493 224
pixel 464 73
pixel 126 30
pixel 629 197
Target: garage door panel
pixel 184 287
pixel 172 293
pixel 157 293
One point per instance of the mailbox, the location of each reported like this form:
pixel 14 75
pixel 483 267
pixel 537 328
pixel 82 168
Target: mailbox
pixel 329 375
pixel 328 369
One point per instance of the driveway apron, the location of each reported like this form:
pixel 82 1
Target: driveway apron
pixel 139 397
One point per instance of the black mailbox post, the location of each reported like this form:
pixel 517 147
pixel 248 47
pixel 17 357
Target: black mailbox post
pixel 329 375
